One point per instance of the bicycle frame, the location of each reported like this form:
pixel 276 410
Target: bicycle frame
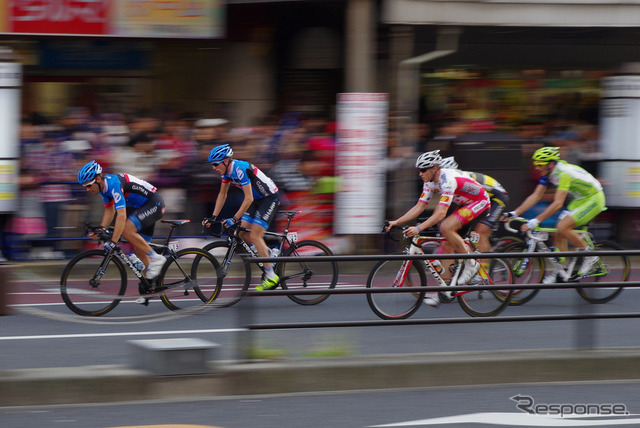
pixel 536 243
pixel 235 238
pixel 416 248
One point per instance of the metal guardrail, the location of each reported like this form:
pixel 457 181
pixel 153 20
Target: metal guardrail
pixel 585 328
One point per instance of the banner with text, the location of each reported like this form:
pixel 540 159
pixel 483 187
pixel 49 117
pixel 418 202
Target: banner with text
pixel 127 18
pixel 360 153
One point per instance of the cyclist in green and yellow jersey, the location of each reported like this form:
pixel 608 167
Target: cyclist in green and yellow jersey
pixel 587 201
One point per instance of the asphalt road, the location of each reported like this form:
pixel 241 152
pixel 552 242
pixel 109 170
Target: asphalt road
pixel 42 332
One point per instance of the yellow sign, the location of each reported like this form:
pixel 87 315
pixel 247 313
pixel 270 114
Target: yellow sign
pixel 169 18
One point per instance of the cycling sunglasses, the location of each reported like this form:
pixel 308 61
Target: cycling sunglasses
pixel 539 163
pixel 89 184
pixel 423 169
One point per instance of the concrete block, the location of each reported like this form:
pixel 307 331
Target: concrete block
pixel 178 356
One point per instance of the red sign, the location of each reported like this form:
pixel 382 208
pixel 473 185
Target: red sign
pixel 59 16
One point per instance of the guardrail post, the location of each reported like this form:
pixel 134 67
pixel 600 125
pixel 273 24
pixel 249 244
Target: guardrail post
pixel 246 308
pixel 5 285
pixel 585 328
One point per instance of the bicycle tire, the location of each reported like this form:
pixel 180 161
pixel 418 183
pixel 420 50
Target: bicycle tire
pixel 183 274
pixel 390 305
pixel 235 283
pixel 616 269
pixel 528 270
pixel 486 303
pixel 88 292
pixel 322 275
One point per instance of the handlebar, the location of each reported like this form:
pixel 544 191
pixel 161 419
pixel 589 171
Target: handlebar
pixel 103 234
pixel 530 233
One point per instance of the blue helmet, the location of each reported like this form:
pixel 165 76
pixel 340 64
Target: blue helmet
pixel 219 153
pixel 89 171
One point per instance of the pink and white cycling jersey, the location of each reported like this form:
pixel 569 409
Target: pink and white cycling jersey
pixel 454 186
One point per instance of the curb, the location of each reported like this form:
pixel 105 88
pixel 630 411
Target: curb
pixel 114 383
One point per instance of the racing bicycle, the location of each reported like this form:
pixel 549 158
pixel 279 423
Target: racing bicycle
pixel 531 270
pixel 236 276
pixel 95 281
pixel 416 273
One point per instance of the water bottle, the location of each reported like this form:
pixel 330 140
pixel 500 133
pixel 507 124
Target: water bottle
pixel 436 265
pixel 274 252
pixel 136 262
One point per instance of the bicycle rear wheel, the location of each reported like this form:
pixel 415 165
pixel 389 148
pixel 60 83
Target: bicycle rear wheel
pixel 526 270
pixel 489 303
pixel 91 288
pixel 614 269
pixel 396 274
pixel 234 276
pixel 185 282
pixel 309 275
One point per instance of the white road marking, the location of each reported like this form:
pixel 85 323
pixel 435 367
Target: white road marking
pixel 118 334
pixel 518 419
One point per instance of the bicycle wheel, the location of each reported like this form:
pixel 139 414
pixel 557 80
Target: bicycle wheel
pixel 234 277
pixel 396 274
pixel 489 303
pixel 614 269
pixel 186 283
pixel 527 270
pixel 91 286
pixel 310 275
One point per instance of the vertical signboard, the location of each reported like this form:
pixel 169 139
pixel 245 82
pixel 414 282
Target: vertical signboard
pixel 10 84
pixel 360 153
pixel 620 140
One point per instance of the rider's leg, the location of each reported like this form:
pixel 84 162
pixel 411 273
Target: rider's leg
pixel 484 243
pixel 140 245
pixel 566 231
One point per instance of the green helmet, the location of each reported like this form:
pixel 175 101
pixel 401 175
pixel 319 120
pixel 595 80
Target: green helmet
pixel 545 155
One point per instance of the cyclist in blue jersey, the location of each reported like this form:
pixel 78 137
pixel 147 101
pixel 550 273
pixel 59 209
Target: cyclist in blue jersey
pixel 258 208
pixel 136 206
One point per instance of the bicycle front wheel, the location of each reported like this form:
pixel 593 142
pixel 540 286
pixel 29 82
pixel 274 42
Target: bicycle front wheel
pixel 613 269
pixel 489 303
pixel 396 274
pixel 310 275
pixel 526 270
pixel 92 286
pixel 234 275
pixel 185 282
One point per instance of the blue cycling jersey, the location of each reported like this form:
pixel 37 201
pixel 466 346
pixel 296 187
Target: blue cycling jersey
pixel 126 191
pixel 242 173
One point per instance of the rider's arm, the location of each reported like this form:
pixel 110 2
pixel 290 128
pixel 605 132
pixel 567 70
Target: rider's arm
pixel 107 216
pixel 221 199
pixel 438 214
pixel 121 220
pixel 246 203
pixel 413 213
pixel 558 201
pixel 531 200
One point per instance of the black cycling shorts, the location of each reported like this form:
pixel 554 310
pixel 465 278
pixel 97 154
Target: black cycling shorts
pixel 146 216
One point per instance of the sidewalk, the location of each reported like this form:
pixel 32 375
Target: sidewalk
pixel 99 384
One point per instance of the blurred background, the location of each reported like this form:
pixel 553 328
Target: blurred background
pixel 148 88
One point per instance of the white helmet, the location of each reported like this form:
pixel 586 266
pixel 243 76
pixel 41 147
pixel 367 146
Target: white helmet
pixel 449 162
pixel 429 159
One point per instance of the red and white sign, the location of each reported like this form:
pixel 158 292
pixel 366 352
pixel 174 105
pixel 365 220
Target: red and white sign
pixel 59 16
pixel 360 154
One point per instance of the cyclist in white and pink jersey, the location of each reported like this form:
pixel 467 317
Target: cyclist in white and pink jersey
pixel 471 199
